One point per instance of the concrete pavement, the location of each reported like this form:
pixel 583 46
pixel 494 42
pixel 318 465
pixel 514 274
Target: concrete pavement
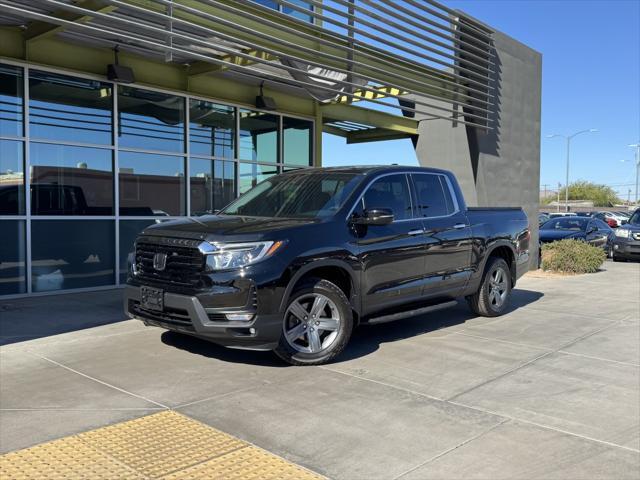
pixel 550 390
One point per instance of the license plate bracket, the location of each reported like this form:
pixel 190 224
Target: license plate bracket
pixel 152 298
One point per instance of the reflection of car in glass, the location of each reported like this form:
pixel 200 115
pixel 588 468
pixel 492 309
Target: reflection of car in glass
pixel 626 244
pixel 299 260
pixel 591 230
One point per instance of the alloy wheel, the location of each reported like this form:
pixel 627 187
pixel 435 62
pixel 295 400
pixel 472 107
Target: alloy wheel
pixel 498 288
pixel 311 323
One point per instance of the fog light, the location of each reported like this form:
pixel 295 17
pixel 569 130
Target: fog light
pixel 239 317
pixel 252 331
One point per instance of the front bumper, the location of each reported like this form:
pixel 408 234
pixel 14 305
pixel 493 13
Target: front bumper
pixel 626 248
pixel 185 314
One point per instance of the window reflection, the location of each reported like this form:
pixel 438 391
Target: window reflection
pixel 67 180
pixel 12 257
pixel 297 141
pixel 129 230
pixel 299 13
pixel 150 120
pixel 151 184
pixel 11 178
pixel 258 136
pixel 251 174
pixel 70 108
pixel 11 101
pixel 212 185
pixel 211 129
pixel 72 254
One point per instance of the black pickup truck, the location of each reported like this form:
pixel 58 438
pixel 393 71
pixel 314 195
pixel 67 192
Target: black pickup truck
pixel 301 259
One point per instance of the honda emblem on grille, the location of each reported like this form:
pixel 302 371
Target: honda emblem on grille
pixel 160 261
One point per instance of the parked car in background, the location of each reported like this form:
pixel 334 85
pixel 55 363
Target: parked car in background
pixel 543 218
pixel 613 220
pixel 591 230
pixel 626 244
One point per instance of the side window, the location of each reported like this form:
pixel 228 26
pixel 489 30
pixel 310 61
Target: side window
pixel 434 196
pixel 601 225
pixel 391 192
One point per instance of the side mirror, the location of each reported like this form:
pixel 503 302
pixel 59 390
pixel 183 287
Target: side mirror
pixel 624 222
pixel 375 216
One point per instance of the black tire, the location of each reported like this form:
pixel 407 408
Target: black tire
pixel 480 302
pixel 345 326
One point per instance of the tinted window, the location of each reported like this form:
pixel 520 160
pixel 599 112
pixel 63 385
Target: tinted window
pixel 296 195
pixel 11 92
pixel 601 225
pixel 258 136
pixel 11 178
pixel 150 120
pixel 635 218
pixel 67 180
pixel 212 185
pixel 151 184
pixel 391 192
pixel 297 141
pixel 434 196
pixel 72 254
pixel 567 223
pixel 12 257
pixel 70 108
pixel 211 129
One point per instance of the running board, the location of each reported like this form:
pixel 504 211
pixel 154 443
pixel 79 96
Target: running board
pixel 410 313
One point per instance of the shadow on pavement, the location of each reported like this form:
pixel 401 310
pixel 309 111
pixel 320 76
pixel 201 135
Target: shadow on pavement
pixel 364 341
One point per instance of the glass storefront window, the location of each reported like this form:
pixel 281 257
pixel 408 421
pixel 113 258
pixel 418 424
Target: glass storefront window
pixel 70 108
pixel 129 230
pixel 12 178
pixel 68 180
pixel 150 120
pixel 297 141
pixel 212 185
pixel 298 13
pixel 72 254
pixel 258 136
pixel 151 184
pixel 251 174
pixel 13 257
pixel 11 101
pixel 212 129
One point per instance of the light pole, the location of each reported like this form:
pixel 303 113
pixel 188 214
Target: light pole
pixel 637 147
pixel 568 139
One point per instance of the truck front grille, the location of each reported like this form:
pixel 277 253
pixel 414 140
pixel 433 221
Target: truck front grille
pixel 183 261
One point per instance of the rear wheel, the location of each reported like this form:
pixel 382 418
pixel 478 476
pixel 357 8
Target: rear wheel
pixel 492 298
pixel 317 324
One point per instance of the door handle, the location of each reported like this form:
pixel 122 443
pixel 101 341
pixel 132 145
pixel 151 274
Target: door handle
pixel 460 226
pixel 418 231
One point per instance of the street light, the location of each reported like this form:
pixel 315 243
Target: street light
pixel 637 147
pixel 568 139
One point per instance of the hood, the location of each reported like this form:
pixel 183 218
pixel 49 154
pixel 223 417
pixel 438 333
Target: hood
pixel 225 227
pixel 553 235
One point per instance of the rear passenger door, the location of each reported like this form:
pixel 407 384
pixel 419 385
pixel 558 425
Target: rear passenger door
pixel 447 235
pixel 392 256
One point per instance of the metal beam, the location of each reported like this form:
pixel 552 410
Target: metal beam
pixel 374 118
pixel 202 68
pixel 375 135
pixel 334 131
pixel 381 92
pixel 38 30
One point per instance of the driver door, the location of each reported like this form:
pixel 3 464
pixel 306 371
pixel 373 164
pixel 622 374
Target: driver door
pixel 392 255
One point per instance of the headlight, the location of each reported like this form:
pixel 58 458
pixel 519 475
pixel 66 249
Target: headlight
pixel 622 232
pixel 238 255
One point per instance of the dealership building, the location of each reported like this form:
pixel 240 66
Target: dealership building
pixel 116 114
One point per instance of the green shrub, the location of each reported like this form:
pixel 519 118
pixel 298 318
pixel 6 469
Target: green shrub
pixel 572 256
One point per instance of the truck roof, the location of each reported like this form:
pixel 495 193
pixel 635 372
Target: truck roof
pixel 369 169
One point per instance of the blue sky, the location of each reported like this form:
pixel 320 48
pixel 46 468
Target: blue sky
pixel 591 79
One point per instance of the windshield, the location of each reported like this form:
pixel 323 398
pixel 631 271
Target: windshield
pixel 567 223
pixel 296 195
pixel 635 219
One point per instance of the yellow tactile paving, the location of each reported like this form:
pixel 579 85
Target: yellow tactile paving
pixel 164 445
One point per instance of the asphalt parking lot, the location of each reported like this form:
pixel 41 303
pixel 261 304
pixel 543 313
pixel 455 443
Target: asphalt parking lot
pixel 550 390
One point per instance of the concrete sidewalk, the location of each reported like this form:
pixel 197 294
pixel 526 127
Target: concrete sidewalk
pixel 550 390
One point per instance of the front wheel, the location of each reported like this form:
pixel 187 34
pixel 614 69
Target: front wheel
pixel 492 298
pixel 317 324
